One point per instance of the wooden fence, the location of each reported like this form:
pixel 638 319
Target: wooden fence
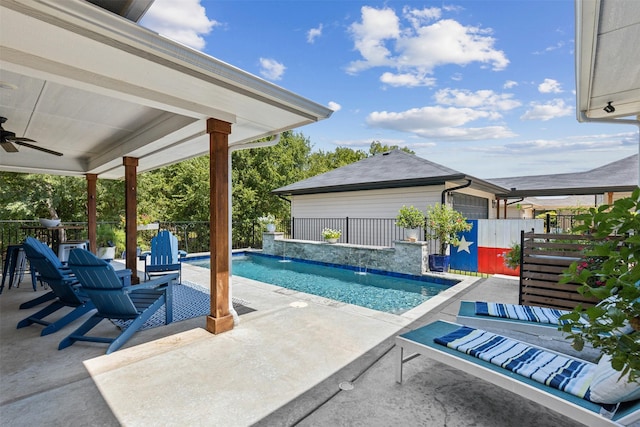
pixel 544 258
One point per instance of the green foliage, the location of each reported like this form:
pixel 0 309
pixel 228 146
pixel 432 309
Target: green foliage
pixel 410 217
pixel 512 258
pixel 610 272
pixel 377 147
pixel 444 223
pixel 329 233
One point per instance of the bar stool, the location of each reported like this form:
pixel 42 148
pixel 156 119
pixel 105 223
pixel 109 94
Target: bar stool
pixel 16 262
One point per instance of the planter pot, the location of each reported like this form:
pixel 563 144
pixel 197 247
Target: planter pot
pixel 106 253
pixel 412 234
pixel 331 240
pixel 271 228
pixel 439 263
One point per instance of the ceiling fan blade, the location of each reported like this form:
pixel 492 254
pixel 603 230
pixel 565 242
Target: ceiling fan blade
pixel 35 147
pixel 9 147
pixel 21 139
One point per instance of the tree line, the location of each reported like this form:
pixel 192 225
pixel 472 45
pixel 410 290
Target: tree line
pixel 180 192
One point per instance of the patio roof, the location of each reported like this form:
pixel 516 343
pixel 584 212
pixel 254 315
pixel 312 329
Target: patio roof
pixel 97 87
pixel 619 176
pixel 607 59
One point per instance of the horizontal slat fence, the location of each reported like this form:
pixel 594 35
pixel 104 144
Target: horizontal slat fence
pixel 544 258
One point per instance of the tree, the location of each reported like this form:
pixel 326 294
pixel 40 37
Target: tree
pixel 376 147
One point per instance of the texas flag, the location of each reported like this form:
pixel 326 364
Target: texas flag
pixel 465 255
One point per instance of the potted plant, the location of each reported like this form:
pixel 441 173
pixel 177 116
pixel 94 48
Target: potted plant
pixel 444 223
pixel 610 272
pixel 512 257
pixel 331 235
pixel 412 219
pixel 269 222
pixel 108 238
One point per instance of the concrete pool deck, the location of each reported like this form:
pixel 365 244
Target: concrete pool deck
pixel 282 365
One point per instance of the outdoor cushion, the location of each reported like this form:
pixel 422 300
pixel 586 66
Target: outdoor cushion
pixel 528 313
pixel 549 368
pixel 608 387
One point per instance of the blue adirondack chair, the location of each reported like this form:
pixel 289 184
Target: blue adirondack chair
pixel 63 286
pixel 164 257
pixel 116 300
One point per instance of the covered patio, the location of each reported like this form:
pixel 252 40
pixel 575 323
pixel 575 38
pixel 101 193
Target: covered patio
pixel 97 95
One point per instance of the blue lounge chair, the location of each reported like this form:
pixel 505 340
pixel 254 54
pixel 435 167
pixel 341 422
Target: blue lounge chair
pixel 115 299
pixel 164 257
pixel 64 287
pixel 422 341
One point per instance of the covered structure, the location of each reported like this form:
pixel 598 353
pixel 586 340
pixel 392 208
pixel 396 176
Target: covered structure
pixel 608 61
pixel 116 99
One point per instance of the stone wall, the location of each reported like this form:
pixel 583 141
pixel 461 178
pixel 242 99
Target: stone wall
pixel 404 257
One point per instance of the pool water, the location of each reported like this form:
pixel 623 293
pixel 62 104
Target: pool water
pixel 375 291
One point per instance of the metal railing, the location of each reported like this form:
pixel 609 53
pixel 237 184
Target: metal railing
pixel 357 231
pixel 193 236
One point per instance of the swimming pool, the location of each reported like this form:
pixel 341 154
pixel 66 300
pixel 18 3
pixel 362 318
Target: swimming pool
pixel 380 292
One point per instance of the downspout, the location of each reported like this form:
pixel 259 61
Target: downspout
pixel 232 311
pixel 443 196
pixel 583 118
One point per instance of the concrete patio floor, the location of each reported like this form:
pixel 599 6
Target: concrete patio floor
pixel 281 365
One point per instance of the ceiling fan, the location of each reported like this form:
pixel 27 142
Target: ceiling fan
pixel 8 139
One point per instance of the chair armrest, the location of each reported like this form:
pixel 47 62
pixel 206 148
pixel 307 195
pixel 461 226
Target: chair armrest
pixel 125 276
pixel 159 281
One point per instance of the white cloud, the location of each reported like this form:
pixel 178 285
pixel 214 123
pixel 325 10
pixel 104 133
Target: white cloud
pixel 334 106
pixel 314 33
pixel 481 99
pixel 418 47
pixel 607 143
pixel 271 69
pixel 550 86
pixel 509 84
pixel 443 123
pixel 184 21
pixel 550 110
pixel 406 80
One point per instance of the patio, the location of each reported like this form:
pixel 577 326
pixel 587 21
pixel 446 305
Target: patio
pixel 282 365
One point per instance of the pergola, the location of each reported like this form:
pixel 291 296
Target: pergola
pixel 117 99
pixel 608 61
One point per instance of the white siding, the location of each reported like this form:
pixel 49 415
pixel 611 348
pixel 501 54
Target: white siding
pixel 384 203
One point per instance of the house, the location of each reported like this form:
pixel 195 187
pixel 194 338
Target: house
pixel 529 196
pixel 378 186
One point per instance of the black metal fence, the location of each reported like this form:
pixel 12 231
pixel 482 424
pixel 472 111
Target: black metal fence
pixel 357 231
pixel 193 236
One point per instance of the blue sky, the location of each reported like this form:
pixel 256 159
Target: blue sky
pixel 483 87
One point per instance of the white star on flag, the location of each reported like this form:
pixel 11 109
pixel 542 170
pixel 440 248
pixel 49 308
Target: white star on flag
pixel 464 245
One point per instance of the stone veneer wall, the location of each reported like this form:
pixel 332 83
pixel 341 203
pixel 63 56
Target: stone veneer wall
pixel 405 257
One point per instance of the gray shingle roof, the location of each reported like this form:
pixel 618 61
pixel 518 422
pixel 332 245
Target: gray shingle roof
pixel 619 176
pixel 393 169
pixel 397 169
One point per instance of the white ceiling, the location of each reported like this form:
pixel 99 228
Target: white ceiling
pixel 608 58
pixel 90 84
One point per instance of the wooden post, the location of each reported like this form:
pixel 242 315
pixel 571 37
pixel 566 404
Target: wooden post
pixel 220 320
pixel 92 180
pixel 131 214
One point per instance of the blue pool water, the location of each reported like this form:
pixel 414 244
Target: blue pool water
pixel 376 291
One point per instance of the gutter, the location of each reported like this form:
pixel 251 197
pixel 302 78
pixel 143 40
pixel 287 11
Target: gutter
pixel 443 196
